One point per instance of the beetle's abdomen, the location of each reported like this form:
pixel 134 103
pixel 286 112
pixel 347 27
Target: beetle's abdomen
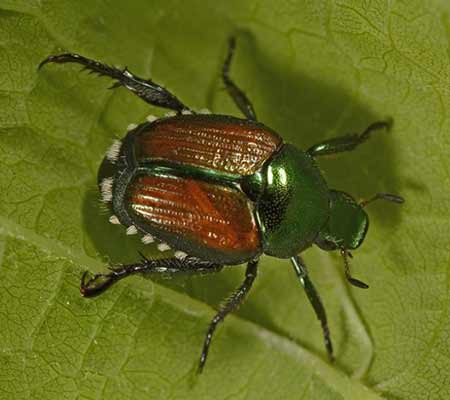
pixel 216 142
pixel 195 216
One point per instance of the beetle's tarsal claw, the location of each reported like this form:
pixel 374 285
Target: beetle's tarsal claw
pixel 200 367
pixel 60 58
pixel 330 354
pixel 329 346
pixel 358 283
pixel 45 61
pixel 92 286
pixel 350 279
pixel 395 198
pixel 232 43
pixel 389 123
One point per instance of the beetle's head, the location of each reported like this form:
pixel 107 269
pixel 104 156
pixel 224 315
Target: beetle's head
pixel 347 226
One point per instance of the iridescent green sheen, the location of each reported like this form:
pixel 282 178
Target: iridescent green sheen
pixel 294 204
pixel 348 222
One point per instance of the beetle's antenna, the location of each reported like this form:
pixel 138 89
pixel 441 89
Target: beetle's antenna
pixel 353 281
pixel 383 196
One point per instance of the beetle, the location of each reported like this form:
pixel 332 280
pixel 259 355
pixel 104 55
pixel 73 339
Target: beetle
pixel 221 191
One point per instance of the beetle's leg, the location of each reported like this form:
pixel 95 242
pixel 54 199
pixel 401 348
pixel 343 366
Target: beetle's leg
pixel 314 298
pixel 94 285
pixel 353 281
pixel 146 89
pixel 346 142
pixel 238 96
pixel 228 306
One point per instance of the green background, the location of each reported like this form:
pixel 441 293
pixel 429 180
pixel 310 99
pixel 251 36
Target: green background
pixel 314 69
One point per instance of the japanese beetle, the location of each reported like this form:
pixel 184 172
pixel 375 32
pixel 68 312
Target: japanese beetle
pixel 221 190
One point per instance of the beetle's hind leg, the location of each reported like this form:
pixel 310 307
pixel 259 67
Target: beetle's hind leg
pixel 230 305
pixel 96 284
pixel 346 142
pixel 238 96
pixel 146 89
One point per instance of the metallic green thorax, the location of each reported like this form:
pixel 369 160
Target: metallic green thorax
pixel 294 204
pixel 347 225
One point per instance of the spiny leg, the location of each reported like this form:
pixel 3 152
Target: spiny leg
pixel 94 285
pixel 314 298
pixel 146 89
pixel 230 305
pixel 238 96
pixel 346 142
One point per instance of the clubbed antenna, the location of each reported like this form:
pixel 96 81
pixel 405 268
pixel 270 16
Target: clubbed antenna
pixel 383 196
pixel 355 282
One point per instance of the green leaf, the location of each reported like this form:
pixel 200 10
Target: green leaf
pixel 314 70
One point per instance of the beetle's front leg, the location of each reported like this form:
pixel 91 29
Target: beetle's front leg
pixel 94 285
pixel 146 89
pixel 346 142
pixel 314 298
